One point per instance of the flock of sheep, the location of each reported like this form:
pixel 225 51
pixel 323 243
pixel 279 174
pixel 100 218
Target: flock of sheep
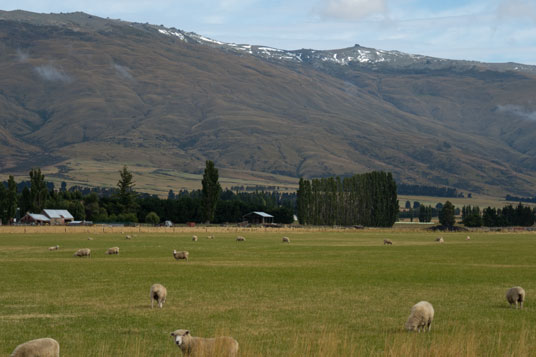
pixel 420 318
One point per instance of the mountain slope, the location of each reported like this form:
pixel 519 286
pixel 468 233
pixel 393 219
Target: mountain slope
pixel 78 87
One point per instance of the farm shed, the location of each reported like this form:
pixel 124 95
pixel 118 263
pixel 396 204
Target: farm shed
pixel 58 216
pixel 35 219
pixel 258 218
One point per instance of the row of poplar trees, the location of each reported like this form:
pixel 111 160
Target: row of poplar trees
pixel 368 199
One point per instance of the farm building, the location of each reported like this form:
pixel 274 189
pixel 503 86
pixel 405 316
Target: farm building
pixel 35 219
pixel 258 218
pixel 58 216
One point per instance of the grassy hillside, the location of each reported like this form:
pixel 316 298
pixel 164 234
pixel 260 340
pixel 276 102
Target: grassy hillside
pixel 324 294
pixel 77 88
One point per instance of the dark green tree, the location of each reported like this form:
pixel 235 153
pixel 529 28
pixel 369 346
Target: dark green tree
pixel 152 218
pixel 446 215
pixel 126 195
pixel 211 190
pixel 38 190
pixel 11 198
pixel 3 204
pixel 77 209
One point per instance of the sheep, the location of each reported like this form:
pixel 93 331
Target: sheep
pixel 439 240
pixel 516 295
pixel 181 255
pixel 387 241
pixel 56 247
pixel 89 238
pixel 286 240
pixel 210 237
pixel 85 252
pixel 158 293
pixel 128 236
pixel 201 346
pixel 113 250
pixel 421 316
pixel 240 239
pixel 41 347
pixel 194 238
pixel 468 238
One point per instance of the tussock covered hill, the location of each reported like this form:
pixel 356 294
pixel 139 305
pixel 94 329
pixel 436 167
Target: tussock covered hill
pixel 79 87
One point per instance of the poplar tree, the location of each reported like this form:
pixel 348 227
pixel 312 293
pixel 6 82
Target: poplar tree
pixel 211 190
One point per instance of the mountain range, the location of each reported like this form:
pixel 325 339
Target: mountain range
pixel 78 90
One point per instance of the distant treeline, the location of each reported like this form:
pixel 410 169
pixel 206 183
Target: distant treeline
pixel 523 216
pixel 417 190
pixel 368 199
pixel 521 199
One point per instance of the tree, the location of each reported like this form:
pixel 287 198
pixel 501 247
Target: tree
pixel 152 218
pixel 38 190
pixel 11 199
pixel 3 200
pixel 446 215
pixel 211 191
pixel 126 194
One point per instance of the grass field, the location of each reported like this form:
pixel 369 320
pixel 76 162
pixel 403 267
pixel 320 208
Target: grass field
pixel 324 294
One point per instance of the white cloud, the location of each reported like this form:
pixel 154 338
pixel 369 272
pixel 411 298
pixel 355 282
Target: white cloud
pixel 351 9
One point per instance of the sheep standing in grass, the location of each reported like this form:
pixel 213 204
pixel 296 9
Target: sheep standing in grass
pixel 387 241
pixel 42 347
pixel 84 252
pixel 158 294
pixel 200 346
pixel 240 239
pixel 194 238
pixel 113 250
pixel 56 247
pixel 181 255
pixel 516 295
pixel 128 237
pixel 210 237
pixel 286 240
pixel 421 317
pixel 89 238
pixel 468 238
pixel 439 240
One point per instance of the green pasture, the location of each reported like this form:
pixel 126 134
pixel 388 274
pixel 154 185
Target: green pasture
pixel 327 293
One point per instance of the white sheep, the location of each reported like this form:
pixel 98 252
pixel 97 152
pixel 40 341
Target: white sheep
pixel 41 347
pixel 89 238
pixel 194 238
pixel 240 239
pixel 158 294
pixel 421 317
pixel 387 241
pixel 56 247
pixel 439 240
pixel 468 238
pixel 181 255
pixel 286 240
pixel 128 237
pixel 84 252
pixel 113 250
pixel 516 295
pixel 200 346
pixel 211 237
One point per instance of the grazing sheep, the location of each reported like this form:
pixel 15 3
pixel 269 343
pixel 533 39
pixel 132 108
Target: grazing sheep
pixel 113 250
pixel 516 295
pixel 439 240
pixel 468 238
pixel 56 247
pixel 194 238
pixel 286 240
pixel 181 255
pixel 210 237
pixel 421 316
pixel 240 239
pixel 128 236
pixel 42 347
pixel 200 346
pixel 158 294
pixel 84 252
pixel 387 241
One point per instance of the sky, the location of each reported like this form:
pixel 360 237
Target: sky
pixel 481 30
